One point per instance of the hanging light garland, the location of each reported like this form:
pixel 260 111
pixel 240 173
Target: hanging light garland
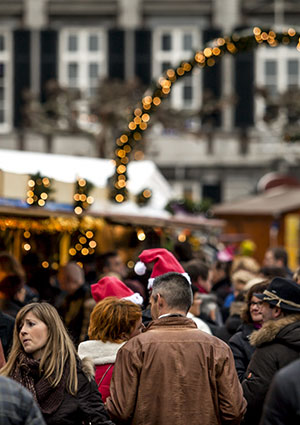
pixel 51 225
pixel 39 188
pixel 143 198
pixel 82 198
pixel 83 243
pixel 141 116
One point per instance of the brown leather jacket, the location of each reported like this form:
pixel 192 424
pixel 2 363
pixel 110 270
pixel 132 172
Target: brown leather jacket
pixel 175 374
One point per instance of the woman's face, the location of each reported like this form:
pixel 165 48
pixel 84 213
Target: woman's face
pixel 256 310
pixel 33 335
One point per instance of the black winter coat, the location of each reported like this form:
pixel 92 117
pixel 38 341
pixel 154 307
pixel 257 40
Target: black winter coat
pixel 10 307
pixel 278 344
pixel 282 405
pixel 222 289
pixel 6 332
pixel 242 349
pixel 85 408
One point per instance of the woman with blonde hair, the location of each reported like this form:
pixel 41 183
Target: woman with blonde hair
pixel 113 321
pixel 43 359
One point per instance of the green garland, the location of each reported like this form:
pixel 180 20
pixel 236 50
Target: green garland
pixel 143 197
pixel 39 189
pixel 82 198
pixel 188 206
pixel 213 51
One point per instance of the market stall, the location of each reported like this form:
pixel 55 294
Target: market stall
pixel 58 231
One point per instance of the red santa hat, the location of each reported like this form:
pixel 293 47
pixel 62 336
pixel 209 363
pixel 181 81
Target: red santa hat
pixel 111 286
pixel 164 262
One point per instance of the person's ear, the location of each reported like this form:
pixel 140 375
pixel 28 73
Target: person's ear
pixel 160 301
pixel 277 312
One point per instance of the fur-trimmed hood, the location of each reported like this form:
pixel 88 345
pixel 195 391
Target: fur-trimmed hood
pixel 99 352
pixel 285 330
pixel 88 368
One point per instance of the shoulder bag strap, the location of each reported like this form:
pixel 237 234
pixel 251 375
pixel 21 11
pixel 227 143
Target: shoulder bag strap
pixel 103 376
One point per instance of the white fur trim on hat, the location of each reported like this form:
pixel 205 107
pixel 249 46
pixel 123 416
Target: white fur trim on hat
pixel 151 280
pixel 136 298
pixel 140 268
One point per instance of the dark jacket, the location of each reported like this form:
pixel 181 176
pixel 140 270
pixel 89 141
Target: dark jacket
pixel 282 406
pixel 232 324
pixel 242 349
pixel 6 331
pixel 278 344
pixel 10 307
pixel 222 288
pixel 75 312
pixel 84 408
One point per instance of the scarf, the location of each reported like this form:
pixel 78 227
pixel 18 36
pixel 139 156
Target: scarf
pixel 27 373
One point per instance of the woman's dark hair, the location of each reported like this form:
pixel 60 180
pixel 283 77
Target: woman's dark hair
pixel 255 289
pixel 225 266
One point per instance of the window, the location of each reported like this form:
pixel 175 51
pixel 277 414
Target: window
pixel 271 74
pixel 170 47
pixel 277 70
pixel 82 59
pixel 166 41
pixel 212 191
pixel 5 82
pixel 293 73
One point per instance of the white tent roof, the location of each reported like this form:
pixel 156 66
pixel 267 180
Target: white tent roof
pixel 66 168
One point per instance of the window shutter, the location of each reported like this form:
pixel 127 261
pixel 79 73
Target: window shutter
pixel 21 55
pixel 143 60
pixel 49 40
pixel 244 84
pixel 244 87
pixel 116 54
pixel 212 77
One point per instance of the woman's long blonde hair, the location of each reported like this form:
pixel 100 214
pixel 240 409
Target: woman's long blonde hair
pixel 58 350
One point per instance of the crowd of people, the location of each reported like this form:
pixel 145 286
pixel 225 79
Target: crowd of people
pixel 184 339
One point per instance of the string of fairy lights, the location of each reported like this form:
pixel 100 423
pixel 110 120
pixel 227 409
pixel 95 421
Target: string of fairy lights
pixel 82 198
pixel 40 187
pixel 141 116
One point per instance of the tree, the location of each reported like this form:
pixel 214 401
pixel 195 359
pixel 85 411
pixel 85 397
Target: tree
pixel 104 116
pixel 282 113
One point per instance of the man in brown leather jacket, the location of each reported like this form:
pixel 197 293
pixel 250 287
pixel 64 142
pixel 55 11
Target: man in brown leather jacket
pixel 174 373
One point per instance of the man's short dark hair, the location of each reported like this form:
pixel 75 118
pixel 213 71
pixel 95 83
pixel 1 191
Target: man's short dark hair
pixel 196 269
pixel 280 253
pixel 175 289
pixel 272 271
pixel 104 260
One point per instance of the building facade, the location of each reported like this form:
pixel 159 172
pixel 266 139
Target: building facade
pixel 78 42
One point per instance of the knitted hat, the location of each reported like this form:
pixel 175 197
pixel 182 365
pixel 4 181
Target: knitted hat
pixel 164 262
pixel 111 286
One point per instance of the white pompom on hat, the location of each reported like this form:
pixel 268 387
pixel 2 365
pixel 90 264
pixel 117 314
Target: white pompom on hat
pixel 140 268
pixel 164 262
